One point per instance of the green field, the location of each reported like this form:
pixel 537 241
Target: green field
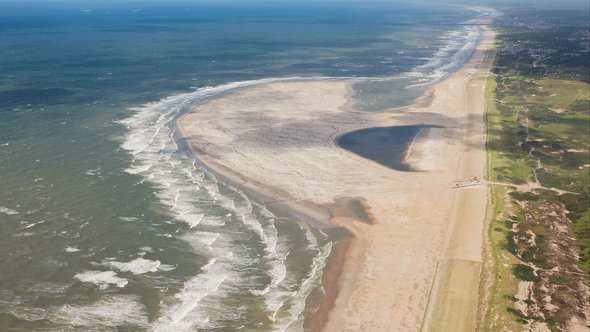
pixel 538 141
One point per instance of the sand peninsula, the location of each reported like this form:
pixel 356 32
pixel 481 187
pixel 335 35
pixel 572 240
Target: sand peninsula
pixel 414 264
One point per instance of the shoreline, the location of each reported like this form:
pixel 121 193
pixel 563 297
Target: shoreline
pixel 321 217
pixel 271 198
pixel 315 209
pixel 332 272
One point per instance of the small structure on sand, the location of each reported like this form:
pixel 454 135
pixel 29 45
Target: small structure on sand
pixel 471 181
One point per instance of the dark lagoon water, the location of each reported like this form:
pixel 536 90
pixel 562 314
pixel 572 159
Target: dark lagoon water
pixel 387 146
pixel 105 224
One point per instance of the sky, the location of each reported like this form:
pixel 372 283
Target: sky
pixel 479 2
pixel 492 3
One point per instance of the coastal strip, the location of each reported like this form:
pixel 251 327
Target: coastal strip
pixel 278 139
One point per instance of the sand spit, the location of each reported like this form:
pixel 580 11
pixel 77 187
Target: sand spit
pixel 278 140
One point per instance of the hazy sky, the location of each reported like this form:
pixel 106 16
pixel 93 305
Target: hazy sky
pixel 507 3
pixel 515 3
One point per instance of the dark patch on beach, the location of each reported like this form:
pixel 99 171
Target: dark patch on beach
pixel 352 207
pixel 387 146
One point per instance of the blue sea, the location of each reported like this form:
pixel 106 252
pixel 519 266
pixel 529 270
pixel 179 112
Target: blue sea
pixel 106 223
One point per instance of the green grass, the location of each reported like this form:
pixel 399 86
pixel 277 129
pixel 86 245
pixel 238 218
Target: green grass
pixel 581 230
pixel 531 116
pixel 509 163
pixel 563 169
pixel 504 285
pixel 559 94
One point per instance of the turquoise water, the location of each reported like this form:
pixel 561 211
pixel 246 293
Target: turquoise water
pixel 105 223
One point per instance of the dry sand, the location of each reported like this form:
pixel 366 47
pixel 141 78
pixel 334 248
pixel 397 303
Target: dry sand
pixel 278 141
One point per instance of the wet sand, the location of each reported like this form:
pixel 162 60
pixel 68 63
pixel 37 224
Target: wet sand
pixel 278 140
pixel 332 273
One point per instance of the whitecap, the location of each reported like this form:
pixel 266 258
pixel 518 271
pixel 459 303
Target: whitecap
pixel 111 311
pixel 184 314
pixel 137 266
pixel 71 249
pixel 30 314
pixel 293 316
pixel 93 172
pixel 138 169
pixel 23 234
pixel 8 211
pixel 206 238
pixel 458 46
pixel 146 249
pixel 34 224
pixel 49 287
pixel 128 218
pixel 166 267
pixel 103 279
pixel 192 219
pixel 275 296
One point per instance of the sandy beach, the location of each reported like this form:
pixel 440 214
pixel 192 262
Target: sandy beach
pixel 422 250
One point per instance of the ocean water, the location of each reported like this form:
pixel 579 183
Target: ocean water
pixel 105 223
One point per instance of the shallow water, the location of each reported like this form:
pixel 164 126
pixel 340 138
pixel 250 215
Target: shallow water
pixel 387 146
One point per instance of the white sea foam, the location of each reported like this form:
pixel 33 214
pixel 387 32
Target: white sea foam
pixel 286 305
pixel 34 224
pixel 458 46
pixel 166 267
pixel 181 185
pixel 23 234
pixel 93 172
pixel 53 288
pixel 206 238
pixel 203 293
pixel 184 315
pixel 145 249
pixel 286 302
pixel 137 266
pixel 8 211
pixel 276 255
pixel 71 249
pixel 103 279
pixel 128 218
pixel 110 312
pixel 292 320
pixel 30 314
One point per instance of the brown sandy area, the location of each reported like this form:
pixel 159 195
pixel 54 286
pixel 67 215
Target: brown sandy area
pixel 278 140
pixel 334 268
